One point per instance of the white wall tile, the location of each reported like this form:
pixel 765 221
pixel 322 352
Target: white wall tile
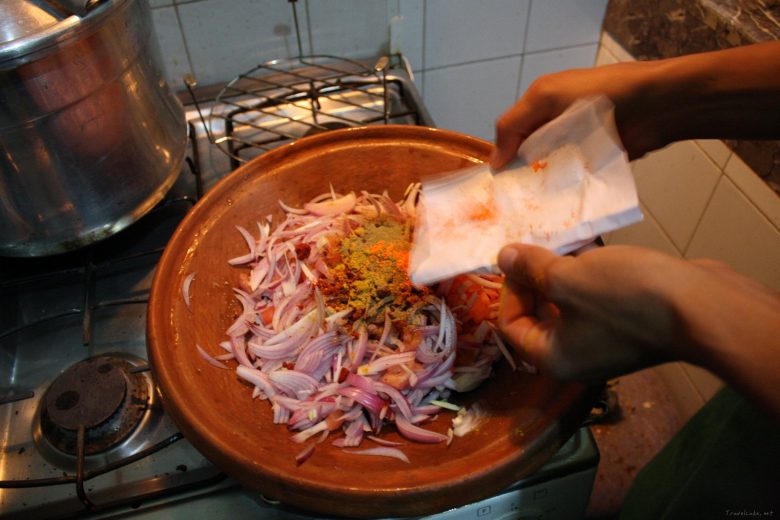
pixel 539 64
pixel 172 49
pixel 615 49
pixel 469 98
pixel 754 188
pixel 734 231
pixel 646 233
pixel 226 39
pixel 675 184
pixel 705 382
pixel 716 150
pixel 564 23
pixel 409 31
pixel 160 3
pixel 460 31
pixel 349 28
pixel 604 57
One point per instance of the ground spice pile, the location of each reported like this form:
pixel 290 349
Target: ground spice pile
pixel 369 270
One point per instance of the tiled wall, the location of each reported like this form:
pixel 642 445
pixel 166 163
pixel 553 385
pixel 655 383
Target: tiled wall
pixel 701 201
pixel 472 58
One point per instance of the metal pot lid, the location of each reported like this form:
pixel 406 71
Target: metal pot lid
pixel 27 26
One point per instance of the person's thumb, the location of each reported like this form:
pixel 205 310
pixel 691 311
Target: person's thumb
pixel 527 265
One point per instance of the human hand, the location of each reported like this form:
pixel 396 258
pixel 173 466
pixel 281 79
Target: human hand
pixel 616 309
pixel 732 93
pixel 588 317
pixel 625 84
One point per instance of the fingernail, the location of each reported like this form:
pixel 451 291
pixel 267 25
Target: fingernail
pixel 506 258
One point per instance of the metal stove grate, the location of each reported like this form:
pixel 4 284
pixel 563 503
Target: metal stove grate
pixel 84 269
pixel 285 99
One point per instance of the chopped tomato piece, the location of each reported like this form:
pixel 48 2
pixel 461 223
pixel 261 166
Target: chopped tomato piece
pixel 267 314
pixel 480 311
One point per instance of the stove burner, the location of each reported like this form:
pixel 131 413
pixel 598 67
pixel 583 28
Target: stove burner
pixel 100 394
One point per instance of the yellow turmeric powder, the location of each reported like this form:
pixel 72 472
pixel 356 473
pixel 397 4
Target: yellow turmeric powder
pixel 372 270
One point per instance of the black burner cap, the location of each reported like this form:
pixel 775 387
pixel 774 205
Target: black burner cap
pixel 86 394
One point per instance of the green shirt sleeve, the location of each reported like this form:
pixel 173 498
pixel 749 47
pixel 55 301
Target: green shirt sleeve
pixel 724 463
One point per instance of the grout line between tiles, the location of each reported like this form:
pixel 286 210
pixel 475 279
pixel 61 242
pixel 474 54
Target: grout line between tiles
pixel 605 49
pixel 424 40
pixel 503 57
pixel 522 49
pixel 701 215
pixel 693 383
pixel 184 39
pixel 566 47
pixel 309 33
pixel 747 196
pixel 658 225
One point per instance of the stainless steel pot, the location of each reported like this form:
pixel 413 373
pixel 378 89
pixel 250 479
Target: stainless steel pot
pixel 91 136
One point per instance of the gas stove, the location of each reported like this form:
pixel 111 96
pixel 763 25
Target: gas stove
pixel 83 431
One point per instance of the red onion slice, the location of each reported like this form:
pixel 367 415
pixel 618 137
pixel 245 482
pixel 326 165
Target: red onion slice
pixel 205 355
pixel 382 451
pixel 185 288
pixel 333 207
pixel 417 434
pixel 305 454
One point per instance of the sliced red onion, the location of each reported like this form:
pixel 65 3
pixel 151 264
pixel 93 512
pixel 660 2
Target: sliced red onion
pixel 304 435
pixel 417 434
pixel 292 210
pixel 333 207
pixel 398 398
pixel 309 362
pixel 383 442
pixel 289 403
pixel 303 327
pixel 363 383
pixel 428 409
pixel 311 413
pixel 371 402
pixel 205 355
pixel 481 332
pixel 410 199
pixel 281 414
pixel 382 451
pixel 251 244
pixel 356 358
pixel 305 454
pixel 484 282
pixel 258 274
pixel 504 350
pixel 384 362
pixel 258 379
pixel 293 383
pixel 280 351
pixel 239 351
pixel 185 288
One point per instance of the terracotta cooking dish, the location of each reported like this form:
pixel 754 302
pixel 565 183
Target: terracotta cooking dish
pixel 531 415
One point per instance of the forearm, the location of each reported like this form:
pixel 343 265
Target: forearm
pixel 731 326
pixel 733 93
pixel 730 94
